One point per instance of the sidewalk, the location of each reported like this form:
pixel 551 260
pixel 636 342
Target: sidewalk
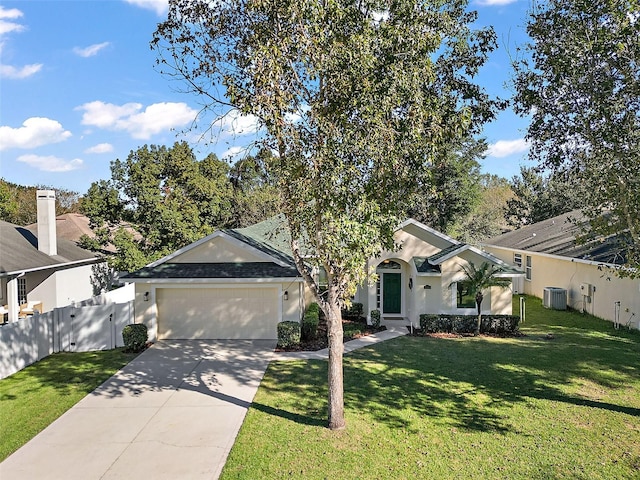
pixel 350 346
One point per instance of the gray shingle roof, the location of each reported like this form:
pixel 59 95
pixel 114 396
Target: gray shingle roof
pixel 214 270
pixel 557 236
pixel 19 251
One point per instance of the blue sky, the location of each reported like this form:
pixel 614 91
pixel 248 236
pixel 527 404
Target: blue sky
pixel 78 89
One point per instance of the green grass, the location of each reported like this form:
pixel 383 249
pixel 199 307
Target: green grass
pixel 34 397
pixel 516 408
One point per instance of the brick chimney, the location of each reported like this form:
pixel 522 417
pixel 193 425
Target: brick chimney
pixel 47 240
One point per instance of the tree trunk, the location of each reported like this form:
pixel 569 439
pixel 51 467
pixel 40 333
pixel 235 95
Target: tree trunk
pixel 479 298
pixel 336 349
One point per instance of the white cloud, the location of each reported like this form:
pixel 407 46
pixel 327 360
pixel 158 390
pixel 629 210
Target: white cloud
pixel 91 50
pixel 100 148
pixel 12 14
pixel 9 71
pixel 51 163
pixel 159 6
pixel 35 131
pixel 504 148
pixel 491 3
pixel 156 118
pixel 234 123
pixel 105 115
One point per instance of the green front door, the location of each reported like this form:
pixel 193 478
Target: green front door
pixel 391 292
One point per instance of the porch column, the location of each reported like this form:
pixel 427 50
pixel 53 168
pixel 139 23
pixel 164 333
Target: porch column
pixel 13 303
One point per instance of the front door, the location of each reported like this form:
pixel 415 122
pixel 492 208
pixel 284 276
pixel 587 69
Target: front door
pixel 391 293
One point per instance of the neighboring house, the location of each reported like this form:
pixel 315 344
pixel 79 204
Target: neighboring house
pixel 241 283
pixel 550 256
pixel 39 269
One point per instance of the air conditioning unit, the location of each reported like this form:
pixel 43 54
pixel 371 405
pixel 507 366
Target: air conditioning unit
pixel 555 298
pixel 586 289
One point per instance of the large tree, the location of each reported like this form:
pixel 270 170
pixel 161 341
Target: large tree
pixel 539 196
pixel 18 203
pixel 580 82
pixel 487 218
pixel 450 188
pixel 158 200
pixel 355 98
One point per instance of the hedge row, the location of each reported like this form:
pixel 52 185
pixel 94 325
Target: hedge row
pixel 430 323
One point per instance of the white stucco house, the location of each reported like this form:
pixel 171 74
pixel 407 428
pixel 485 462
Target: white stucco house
pixel 38 270
pixel 584 273
pixel 241 283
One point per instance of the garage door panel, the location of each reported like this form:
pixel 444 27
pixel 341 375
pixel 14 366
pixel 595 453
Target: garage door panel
pixel 216 313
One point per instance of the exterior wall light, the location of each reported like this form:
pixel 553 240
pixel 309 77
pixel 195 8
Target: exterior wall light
pixel 146 296
pixel 286 295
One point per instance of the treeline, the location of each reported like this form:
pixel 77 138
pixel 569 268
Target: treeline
pixel 162 198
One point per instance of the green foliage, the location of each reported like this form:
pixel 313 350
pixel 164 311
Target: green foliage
pixel 375 318
pixel 310 322
pixel 539 197
pixel 357 104
pixel 578 80
pixel 487 218
pixel 18 204
pixel 288 334
pixel 430 323
pixel 157 201
pixel 135 337
pixel 449 188
pixel 478 279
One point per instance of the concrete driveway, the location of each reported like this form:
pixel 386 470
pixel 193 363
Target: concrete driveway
pixel 172 413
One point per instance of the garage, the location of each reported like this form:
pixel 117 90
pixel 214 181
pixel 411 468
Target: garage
pixel 218 312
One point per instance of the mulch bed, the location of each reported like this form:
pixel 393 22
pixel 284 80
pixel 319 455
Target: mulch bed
pixel 321 340
pixel 419 333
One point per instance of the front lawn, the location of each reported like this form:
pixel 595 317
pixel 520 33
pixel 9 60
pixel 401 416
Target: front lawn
pixel 34 397
pixel 565 405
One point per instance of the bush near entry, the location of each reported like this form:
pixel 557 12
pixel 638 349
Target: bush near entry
pixel 135 337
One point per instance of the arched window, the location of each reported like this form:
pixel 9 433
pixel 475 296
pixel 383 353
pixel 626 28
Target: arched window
pixel 389 265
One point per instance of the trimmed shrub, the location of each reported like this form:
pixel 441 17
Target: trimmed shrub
pixel 430 323
pixel 375 318
pixel 135 337
pixel 288 334
pixel 310 322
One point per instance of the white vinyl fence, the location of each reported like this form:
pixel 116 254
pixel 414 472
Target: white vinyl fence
pixel 79 328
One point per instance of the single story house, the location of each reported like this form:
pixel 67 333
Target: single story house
pixel 38 270
pixel 241 283
pixel 551 258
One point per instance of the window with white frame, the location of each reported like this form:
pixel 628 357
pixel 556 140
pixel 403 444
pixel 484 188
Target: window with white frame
pixel 517 260
pixel 527 271
pixel 464 297
pixel 22 290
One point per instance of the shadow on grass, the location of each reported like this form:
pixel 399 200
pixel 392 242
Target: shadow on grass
pixel 465 383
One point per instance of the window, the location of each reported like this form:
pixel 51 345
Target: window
pixel 464 298
pixel 527 271
pixel 517 260
pixel 22 290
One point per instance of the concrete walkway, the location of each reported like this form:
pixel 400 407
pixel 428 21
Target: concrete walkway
pixel 388 334
pixel 172 413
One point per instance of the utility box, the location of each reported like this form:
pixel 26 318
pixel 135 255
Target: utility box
pixel 586 289
pixel 554 298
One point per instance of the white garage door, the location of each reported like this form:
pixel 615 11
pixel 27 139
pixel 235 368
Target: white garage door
pixel 217 313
